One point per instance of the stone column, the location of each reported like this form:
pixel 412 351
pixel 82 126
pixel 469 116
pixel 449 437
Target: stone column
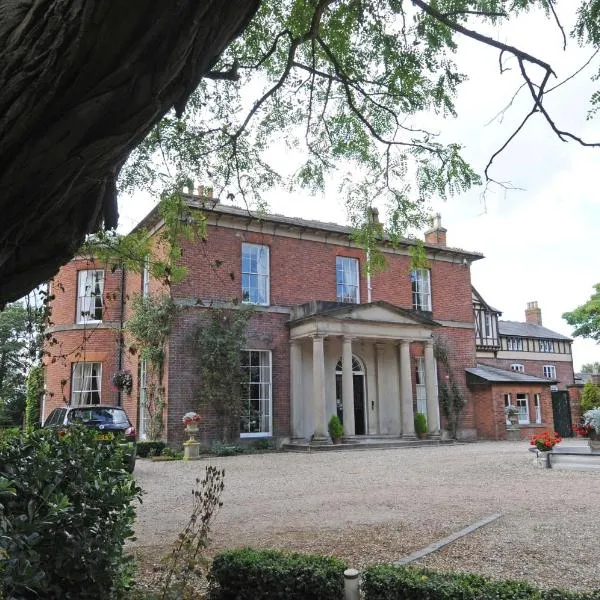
pixel 406 396
pixel 381 376
pixel 348 388
pixel 433 407
pixel 296 396
pixel 321 435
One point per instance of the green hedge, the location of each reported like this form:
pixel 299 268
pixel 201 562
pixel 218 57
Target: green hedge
pixel 66 509
pixel 146 449
pixel 386 582
pixel 249 574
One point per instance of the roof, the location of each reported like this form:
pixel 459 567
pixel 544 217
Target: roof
pixel 218 209
pixel 480 299
pixel 495 375
pixel 530 330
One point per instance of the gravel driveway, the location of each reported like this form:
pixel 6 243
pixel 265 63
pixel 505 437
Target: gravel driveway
pixel 379 505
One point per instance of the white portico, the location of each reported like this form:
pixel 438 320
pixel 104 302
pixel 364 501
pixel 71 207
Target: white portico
pixel 355 360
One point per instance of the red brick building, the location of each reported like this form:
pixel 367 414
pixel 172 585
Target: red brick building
pixel 324 337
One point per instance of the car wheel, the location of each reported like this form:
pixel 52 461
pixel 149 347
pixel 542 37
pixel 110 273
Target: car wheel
pixel 131 464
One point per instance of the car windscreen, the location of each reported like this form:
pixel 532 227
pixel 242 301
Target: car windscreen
pixel 98 416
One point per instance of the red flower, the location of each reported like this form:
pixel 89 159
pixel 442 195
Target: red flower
pixel 546 440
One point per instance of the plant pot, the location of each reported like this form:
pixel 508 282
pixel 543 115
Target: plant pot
pixel 421 435
pixel 594 443
pixel 191 430
pixel 542 459
pixel 336 441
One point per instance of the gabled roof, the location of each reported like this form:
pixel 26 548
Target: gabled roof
pixel 485 373
pixel 477 297
pixel 529 330
pixel 379 310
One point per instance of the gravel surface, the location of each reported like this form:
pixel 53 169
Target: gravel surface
pixel 375 506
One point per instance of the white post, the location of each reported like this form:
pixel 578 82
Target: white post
pixel 321 434
pixel 408 417
pixel 348 388
pixel 351 588
pixel 433 408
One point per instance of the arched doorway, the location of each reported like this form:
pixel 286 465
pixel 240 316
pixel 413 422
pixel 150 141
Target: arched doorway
pixel 358 376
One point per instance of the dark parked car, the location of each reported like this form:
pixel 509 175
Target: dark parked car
pixel 108 420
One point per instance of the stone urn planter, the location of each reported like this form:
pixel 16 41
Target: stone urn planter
pixel 192 430
pixel 594 442
pixel 542 459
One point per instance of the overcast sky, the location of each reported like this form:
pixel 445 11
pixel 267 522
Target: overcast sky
pixel 540 242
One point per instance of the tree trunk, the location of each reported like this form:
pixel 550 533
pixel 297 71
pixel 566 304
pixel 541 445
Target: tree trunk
pixel 81 84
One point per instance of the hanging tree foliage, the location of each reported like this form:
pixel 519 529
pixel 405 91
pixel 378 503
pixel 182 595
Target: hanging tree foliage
pixel 83 83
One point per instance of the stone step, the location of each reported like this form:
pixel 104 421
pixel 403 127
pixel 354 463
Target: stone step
pixel 362 445
pixel 575 461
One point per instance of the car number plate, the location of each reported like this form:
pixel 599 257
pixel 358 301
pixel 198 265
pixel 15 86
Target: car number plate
pixel 104 436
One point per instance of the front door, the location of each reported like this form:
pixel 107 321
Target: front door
pixel 561 412
pixel 358 377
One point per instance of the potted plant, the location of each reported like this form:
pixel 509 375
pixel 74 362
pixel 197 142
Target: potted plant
pixel 421 425
pixel 545 441
pixel 123 380
pixel 512 414
pixel 191 420
pixel 336 429
pixel 591 420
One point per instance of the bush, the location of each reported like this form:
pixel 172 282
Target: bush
pixel 146 449
pixel 219 449
pixel 62 530
pixel 335 427
pixel 387 582
pixel 420 423
pixel 248 574
pixel 590 396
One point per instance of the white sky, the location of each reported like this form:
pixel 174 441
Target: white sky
pixel 539 242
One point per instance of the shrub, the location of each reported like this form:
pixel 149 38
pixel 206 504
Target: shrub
pixel 387 582
pixel 263 444
pixel 146 449
pixel 62 531
pixel 335 427
pixel 248 574
pixel 590 396
pixel 420 423
pixel 219 449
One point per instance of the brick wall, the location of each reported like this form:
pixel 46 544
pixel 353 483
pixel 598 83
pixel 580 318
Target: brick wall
pixel 488 402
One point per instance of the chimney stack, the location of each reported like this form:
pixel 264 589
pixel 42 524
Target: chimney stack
pixel 437 234
pixel 533 314
pixel 205 191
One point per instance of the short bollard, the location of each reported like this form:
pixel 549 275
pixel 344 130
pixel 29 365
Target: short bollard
pixel 351 585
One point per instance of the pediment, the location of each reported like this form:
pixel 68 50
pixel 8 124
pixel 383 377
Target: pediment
pixel 374 312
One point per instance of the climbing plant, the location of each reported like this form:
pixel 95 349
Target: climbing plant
pixel 220 339
pixel 33 398
pixel 452 400
pixel 148 330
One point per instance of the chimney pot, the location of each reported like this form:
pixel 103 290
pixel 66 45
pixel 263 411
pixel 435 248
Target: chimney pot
pixel 437 234
pixel 533 313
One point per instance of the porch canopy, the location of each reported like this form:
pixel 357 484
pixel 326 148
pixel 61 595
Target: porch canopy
pixel 379 323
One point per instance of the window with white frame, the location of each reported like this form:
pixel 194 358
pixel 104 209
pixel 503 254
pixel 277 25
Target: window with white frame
pixel 255 274
pixel 143 387
pixel 550 371
pixel 146 277
pixel 507 403
pixel 421 289
pixel 514 343
pixel 256 394
pixel 522 404
pixel 537 402
pixel 90 289
pixel 86 383
pixel 546 346
pixel 517 367
pixel 347 279
pixel 420 384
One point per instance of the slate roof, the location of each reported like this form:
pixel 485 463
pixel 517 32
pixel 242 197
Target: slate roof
pixel 495 375
pixel 529 330
pixel 214 207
